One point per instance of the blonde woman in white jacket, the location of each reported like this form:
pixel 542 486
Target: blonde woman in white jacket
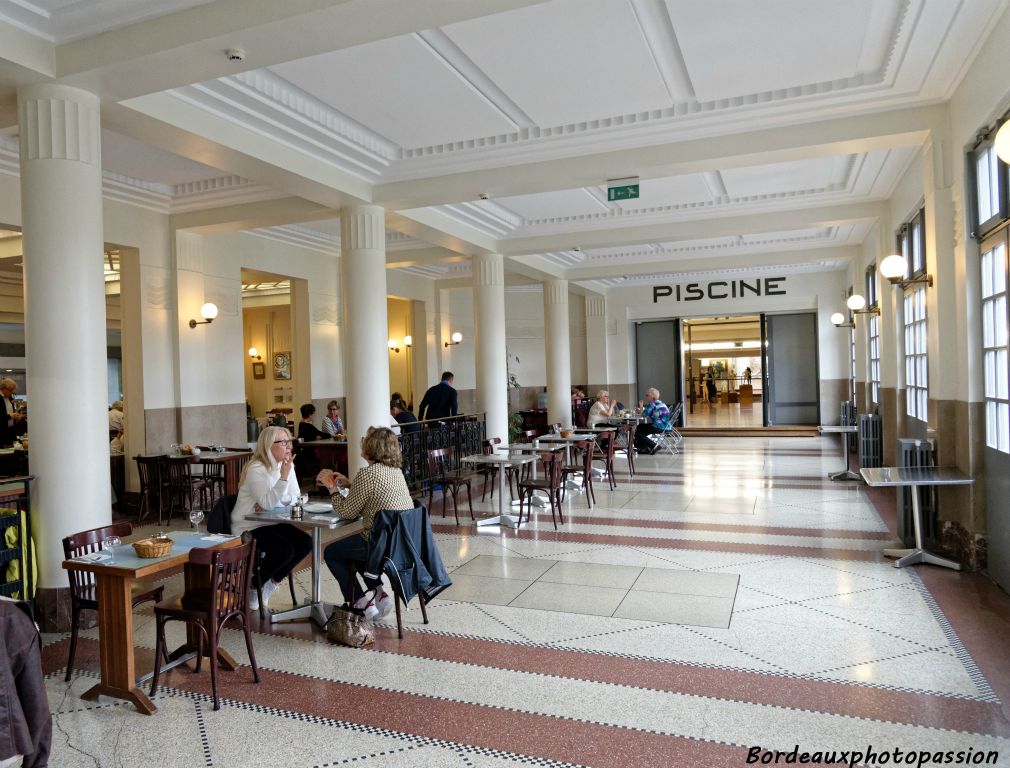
pixel 267 479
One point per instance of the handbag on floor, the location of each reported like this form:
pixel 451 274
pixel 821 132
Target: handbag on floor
pixel 348 626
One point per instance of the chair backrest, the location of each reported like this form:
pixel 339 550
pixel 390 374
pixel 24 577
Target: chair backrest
pixel 147 469
pixel 553 464
pixel 487 446
pixel 84 543
pixel 230 576
pixel 438 463
pixel 529 434
pixel 586 447
pixel 555 426
pixel 675 414
pixel 219 519
pixel 607 444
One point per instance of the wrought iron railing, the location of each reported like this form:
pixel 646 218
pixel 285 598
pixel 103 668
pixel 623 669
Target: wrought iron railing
pixel 464 434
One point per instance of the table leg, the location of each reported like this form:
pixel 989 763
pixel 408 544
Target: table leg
pixel 918 554
pixel 315 609
pixel 845 474
pixel 115 641
pixel 501 518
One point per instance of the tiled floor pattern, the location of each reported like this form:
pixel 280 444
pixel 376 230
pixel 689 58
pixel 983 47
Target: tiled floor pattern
pixel 628 592
pixel 827 645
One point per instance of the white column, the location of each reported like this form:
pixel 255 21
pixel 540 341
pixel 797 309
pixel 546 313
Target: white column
pixel 366 368
pixel 61 201
pixel 596 343
pixel 559 353
pixel 489 341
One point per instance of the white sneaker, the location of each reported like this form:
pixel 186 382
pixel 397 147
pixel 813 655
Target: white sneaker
pixel 367 604
pixel 385 604
pixel 268 589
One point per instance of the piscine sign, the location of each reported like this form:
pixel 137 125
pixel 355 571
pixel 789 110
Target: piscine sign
pixel 721 289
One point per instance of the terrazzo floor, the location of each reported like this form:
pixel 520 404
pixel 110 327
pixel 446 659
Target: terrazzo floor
pixel 725 598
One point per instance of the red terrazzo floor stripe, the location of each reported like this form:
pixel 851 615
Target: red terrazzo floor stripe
pixel 827 553
pixel 477 725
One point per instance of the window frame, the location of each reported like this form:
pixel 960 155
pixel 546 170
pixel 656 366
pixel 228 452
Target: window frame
pixel 995 372
pixel 915 321
pixel 1001 212
pixel 874 356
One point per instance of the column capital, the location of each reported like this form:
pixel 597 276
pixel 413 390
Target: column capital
pixel 596 306
pixel 59 122
pixel 555 291
pixel 488 269
pixel 362 227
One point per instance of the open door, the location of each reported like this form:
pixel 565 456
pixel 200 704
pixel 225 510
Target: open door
pixel 792 378
pixel 658 361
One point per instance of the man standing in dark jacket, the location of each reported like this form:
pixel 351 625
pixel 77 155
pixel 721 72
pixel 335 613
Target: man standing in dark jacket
pixel 439 401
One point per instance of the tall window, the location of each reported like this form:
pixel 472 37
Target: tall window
pixel 994 343
pixel 990 188
pixel 916 381
pixel 874 359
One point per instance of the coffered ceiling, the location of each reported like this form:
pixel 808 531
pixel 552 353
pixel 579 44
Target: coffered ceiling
pixel 763 132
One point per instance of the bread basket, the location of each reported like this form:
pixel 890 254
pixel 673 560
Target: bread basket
pixel 153 547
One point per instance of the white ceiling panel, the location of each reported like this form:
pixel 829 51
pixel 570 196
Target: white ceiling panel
pixel 738 47
pixel 552 205
pixel 780 178
pixel 62 20
pixel 566 61
pixel 129 157
pixel 398 89
pixel 790 234
pixel 671 190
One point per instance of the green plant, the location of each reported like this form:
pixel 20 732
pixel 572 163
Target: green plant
pixel 515 421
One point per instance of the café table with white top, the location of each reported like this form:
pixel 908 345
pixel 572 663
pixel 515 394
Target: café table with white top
pixel 501 461
pixel 317 517
pixel 915 478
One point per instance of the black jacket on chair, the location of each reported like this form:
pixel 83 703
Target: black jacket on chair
pixel 402 545
pixel 26 727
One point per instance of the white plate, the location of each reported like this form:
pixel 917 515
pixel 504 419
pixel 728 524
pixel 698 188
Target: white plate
pixel 318 508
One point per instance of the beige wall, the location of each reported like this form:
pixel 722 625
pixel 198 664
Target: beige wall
pixel 268 328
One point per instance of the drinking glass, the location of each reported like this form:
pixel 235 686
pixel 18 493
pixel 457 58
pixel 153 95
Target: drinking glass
pixel 109 546
pixel 219 448
pixel 286 499
pixel 176 450
pixel 196 517
pixel 304 499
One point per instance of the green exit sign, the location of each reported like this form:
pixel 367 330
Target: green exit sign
pixel 624 192
pixel 622 189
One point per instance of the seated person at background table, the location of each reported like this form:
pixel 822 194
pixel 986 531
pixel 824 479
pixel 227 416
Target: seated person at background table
pixel 378 486
pixel 440 400
pixel 116 417
pixel 406 420
pixel 602 409
pixel 116 445
pixel 332 425
pixel 577 394
pixel 307 431
pixel 11 419
pixel 266 480
pixel 656 411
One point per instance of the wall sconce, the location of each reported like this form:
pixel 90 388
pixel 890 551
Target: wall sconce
pixel 857 304
pixel 392 346
pixel 208 312
pixel 408 341
pixel 894 268
pixel 457 337
pixel 254 353
pixel 838 320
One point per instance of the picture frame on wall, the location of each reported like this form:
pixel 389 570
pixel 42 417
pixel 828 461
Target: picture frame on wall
pixel 259 370
pixel 282 365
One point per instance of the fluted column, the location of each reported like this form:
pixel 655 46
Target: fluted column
pixel 61 201
pixel 596 343
pixel 559 352
pixel 489 341
pixel 366 368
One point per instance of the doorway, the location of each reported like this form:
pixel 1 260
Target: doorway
pixel 751 371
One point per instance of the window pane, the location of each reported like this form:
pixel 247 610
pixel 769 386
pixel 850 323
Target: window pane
pixel 989 364
pixel 1003 427
pixel 1001 374
pixel 1000 322
pixel 999 269
pixel 987 271
pixel 984 185
pixel 988 324
pixel 990 425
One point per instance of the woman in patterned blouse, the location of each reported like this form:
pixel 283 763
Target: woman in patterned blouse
pixel 378 486
pixel 332 425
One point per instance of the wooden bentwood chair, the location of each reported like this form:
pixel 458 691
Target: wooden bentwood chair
pixel 83 592
pixel 583 465
pixel 550 484
pixel 209 609
pixel 451 480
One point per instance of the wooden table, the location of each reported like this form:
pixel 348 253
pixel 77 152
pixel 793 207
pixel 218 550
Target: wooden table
pixel 115 612
pixel 315 608
pixel 915 478
pixel 335 453
pixel 233 462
